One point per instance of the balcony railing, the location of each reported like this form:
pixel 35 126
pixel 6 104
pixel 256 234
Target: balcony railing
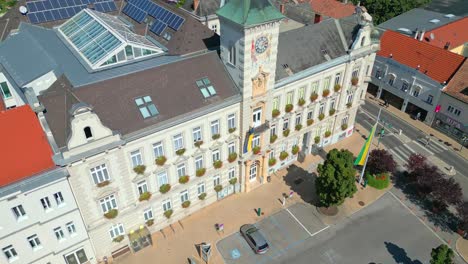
pixel 261 128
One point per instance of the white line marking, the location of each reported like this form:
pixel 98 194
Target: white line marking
pixel 425 148
pixel 299 222
pixel 397 156
pixel 3 33
pixel 435 141
pixel 408 147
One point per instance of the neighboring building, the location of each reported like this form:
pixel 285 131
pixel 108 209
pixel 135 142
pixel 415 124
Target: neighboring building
pixel 452 36
pixel 452 118
pixel 205 12
pixel 40 222
pixel 324 9
pixel 411 74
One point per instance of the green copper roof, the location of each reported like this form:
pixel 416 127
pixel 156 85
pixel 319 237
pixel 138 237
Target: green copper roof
pixel 249 12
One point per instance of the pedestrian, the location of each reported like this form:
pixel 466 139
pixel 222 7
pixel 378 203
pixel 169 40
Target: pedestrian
pixel 418 115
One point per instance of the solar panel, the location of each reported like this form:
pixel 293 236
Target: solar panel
pixel 138 9
pixel 158 27
pixel 134 12
pixel 104 7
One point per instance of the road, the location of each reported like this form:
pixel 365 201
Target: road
pixel 412 140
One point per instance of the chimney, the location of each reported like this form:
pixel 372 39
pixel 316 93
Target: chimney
pixel 282 8
pixel 195 4
pixel 317 18
pixel 422 35
pixel 2 104
pixel 447 45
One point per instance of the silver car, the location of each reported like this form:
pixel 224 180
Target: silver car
pixel 254 238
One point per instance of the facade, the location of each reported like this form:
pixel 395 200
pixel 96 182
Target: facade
pixel 407 79
pixel 204 11
pixel 41 222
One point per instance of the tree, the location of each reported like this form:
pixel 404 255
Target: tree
pixel 442 255
pixel 462 210
pixel 336 179
pixel 447 192
pixel 380 161
pixel 415 161
pixel 383 10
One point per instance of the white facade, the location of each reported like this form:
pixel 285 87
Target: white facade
pixel 41 223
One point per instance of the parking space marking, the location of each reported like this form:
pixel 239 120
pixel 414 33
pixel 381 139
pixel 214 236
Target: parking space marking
pixel 299 222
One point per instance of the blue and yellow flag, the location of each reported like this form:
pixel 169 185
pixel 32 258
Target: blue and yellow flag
pixel 248 143
pixel 361 158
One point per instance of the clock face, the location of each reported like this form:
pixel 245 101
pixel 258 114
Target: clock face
pixel 261 44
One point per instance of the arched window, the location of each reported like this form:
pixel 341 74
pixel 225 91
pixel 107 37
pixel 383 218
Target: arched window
pixel 232 54
pixel 363 40
pixel 88 133
pixel 253 171
pixel 391 79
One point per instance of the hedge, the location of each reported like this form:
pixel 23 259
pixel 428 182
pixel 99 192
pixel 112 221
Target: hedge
pixel 380 182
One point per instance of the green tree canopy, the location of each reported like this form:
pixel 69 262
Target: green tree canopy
pixel 383 10
pixel 442 255
pixel 336 179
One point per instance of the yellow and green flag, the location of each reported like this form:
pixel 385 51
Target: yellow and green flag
pixel 361 158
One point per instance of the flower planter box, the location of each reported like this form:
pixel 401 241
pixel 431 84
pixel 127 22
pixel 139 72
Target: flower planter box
pixel 186 204
pixel 144 196
pixel 184 179
pixel 344 127
pixel 216 136
pixel 295 150
pixel 321 116
pixel 332 111
pixel 283 155
pixel 218 188
pixel 286 132
pixel 218 164
pixel 102 184
pixel 275 113
pixel 327 133
pixel 256 150
pixel 310 122
pixel 271 162
pixel 349 105
pixel 298 127
pixel 111 214
pixel 160 160
pixel 165 188
pixel 301 102
pixel 180 152
pixel 140 169
pixel 233 181
pixel 232 157
pixel 354 81
pixel 118 239
pixel 200 172
pixel 232 129
pixel 202 196
pixel 317 139
pixel 288 108
pixel 273 138
pixel 168 213
pixel 313 97
pixel 150 222
pixel 326 93
pixel 198 143
pixel 337 87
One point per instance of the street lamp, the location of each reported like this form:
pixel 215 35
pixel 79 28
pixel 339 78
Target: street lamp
pixel 464 139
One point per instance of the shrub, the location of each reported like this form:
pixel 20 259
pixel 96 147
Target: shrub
pixel 337 87
pixel 275 113
pixel 327 133
pixel 180 152
pixel 310 122
pixel 354 80
pixel 283 155
pixel 332 111
pixel 232 157
pixel 217 164
pixel 150 222
pixel 272 162
pixel 301 102
pixel 144 196
pixel 344 126
pixel 118 239
pixel 256 150
pixel 111 214
pixel 218 188
pixel 139 169
pixel 186 204
pixel 103 183
pixel 295 149
pixel 286 132
pixel 317 139
pixel 198 143
pixel 232 129
pixel 379 182
pixel 202 196
pixel 160 160
pixel 321 116
pixel 380 161
pixel 216 136
pixel 200 172
pixel 349 105
pixel 326 93
pixel 273 138
pixel 233 181
pixel 313 97
pixel 288 108
pixel 168 213
pixel 165 188
pixel 184 179
pixel 298 127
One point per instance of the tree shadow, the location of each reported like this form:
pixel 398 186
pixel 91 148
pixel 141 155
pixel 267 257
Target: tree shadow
pixel 302 183
pixel 399 254
pixel 443 219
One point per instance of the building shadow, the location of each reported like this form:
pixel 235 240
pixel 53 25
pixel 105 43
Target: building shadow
pixel 302 183
pixel 399 254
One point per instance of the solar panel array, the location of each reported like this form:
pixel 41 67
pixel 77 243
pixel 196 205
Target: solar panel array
pixel 139 9
pixel 50 10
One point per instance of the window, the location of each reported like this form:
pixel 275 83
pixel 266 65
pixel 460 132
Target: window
pixel 321 108
pixel 231 121
pixel 338 78
pixel 158 149
pixel 142 187
pixel 314 87
pixel 116 230
pixel 289 98
pixel 216 155
pixel 167 205
pixel 367 70
pixel 276 101
pixel 232 54
pixel 231 147
pixel 363 41
pixel 416 91
pixel 310 114
pixel 108 203
pixel 216 180
pixel 285 124
pixel 146 106
pixel 457 112
pixel 391 79
pixel 197 134
pixel 5 90
pixel 429 99
pixel 272 154
pixel 59 198
pixel 355 72
pixel 136 158
pixel 59 233
pixel 272 130
pixel 454 110
pixel 256 141
pixel 148 214
pixel 201 188
pixel 450 109
pixel 181 170
pixel 18 211
pixel 298 119
pixel 71 228
pixel 326 83
pixel 78 257
pixel 253 171
pixel 34 242
pixel 301 92
pixel 87 132
pixel 162 178
pixel 378 74
pixel 349 97
pixel 199 162
pixel 46 203
pixel 332 104
pixel 232 173
pixel 178 142
pixel 215 127
pixel 345 119
pixel 257 117
pixel 214 27
pixel 100 174
pixel 206 87
pixel 184 196
pixel 404 86
pixel 10 253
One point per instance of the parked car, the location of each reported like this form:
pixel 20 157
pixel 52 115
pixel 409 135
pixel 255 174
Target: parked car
pixel 254 238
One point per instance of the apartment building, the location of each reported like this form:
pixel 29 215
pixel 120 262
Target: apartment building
pixel 40 222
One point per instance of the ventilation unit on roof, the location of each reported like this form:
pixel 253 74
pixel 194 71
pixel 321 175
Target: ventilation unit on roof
pixel 405 30
pixel 449 16
pixel 434 21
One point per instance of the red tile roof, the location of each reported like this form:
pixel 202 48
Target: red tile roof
pixel 25 150
pixel 455 32
pixel 458 85
pixel 437 63
pixel 332 8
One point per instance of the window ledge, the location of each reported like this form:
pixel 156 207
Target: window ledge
pixel 37 248
pixel 13 259
pixel 61 205
pixel 22 218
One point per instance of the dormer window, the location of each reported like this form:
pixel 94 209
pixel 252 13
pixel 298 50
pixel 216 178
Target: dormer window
pixel 88 133
pixel 363 40
pixel 146 106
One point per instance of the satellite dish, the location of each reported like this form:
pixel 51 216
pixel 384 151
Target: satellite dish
pixel 23 10
pixel 432 36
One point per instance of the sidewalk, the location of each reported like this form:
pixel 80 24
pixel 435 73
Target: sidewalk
pixel 446 140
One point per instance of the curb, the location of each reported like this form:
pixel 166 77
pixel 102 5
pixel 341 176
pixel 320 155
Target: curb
pixel 458 251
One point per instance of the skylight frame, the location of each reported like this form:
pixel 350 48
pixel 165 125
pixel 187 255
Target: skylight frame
pixel 146 107
pixel 206 87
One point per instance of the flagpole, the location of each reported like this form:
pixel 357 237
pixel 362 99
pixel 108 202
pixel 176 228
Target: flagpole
pixel 367 156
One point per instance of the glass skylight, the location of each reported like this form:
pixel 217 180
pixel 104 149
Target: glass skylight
pixel 206 88
pixel 146 106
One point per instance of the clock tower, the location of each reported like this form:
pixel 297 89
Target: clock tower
pixel 249 40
